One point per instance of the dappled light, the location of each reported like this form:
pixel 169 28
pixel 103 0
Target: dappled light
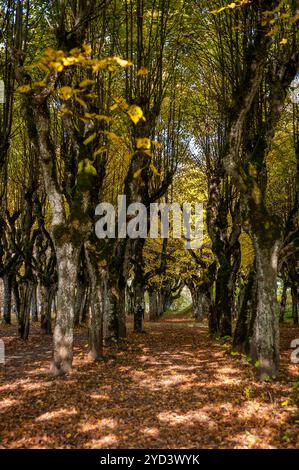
pixel 185 391
pixel 149 227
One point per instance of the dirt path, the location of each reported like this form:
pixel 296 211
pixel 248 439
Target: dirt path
pixel 171 387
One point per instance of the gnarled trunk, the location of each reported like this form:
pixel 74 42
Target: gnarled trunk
pixel 26 289
pixel 81 297
pixel 47 296
pixel 154 311
pixel 34 307
pixel 67 265
pixel 115 310
pixel 197 302
pixel 96 306
pixel 283 302
pixel 246 315
pixel 294 292
pixel 138 304
pixel 265 339
pixel 7 282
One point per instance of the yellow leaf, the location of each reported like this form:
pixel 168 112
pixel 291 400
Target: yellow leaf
pixel 67 61
pixel 89 115
pixel 137 173
pixel 99 152
pixel 102 117
pixel 283 41
pixel 68 435
pixel 43 67
pixel 86 83
pixel 58 66
pixel 112 136
pixel 156 144
pixel 99 64
pixel 232 5
pixel 214 12
pixel 87 49
pixel 156 172
pixel 66 111
pixel 90 139
pixel 148 153
pixel 135 113
pixel 81 102
pixel 122 62
pixel 85 120
pixel 65 93
pixel 142 72
pixel 143 143
pixel 41 84
pixel 75 52
pixel 50 53
pixel 24 89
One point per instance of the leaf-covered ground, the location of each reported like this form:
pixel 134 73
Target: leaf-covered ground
pixel 171 387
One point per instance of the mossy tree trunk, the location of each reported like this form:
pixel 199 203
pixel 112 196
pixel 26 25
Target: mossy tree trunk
pixel 246 315
pixel 47 296
pixel 34 305
pixel 7 282
pixel 264 345
pixel 96 304
pixel 67 265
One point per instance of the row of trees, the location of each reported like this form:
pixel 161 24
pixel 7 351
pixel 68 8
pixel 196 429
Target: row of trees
pixel 161 101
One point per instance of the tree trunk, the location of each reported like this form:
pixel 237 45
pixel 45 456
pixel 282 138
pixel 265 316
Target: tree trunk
pixel 81 292
pixel 197 303
pixel 86 305
pixel 67 265
pixel 153 296
pixel 115 310
pixel 265 340
pixel 223 300
pixel 47 296
pixel 283 302
pixel 16 296
pixel 129 300
pixel 246 315
pixel 34 308
pixel 7 282
pixel 294 305
pixel 26 289
pixel 96 306
pixel 139 304
pixel 106 308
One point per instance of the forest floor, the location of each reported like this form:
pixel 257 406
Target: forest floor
pixel 171 387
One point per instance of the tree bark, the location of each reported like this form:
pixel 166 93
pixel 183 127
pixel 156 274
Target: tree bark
pixel 96 306
pixel 265 340
pixel 26 289
pixel 294 304
pixel 7 282
pixel 153 305
pixel 16 296
pixel 138 304
pixel 283 302
pixel 34 307
pixel 47 296
pixel 197 303
pixel 81 293
pixel 246 315
pixel 67 265
pixel 115 310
